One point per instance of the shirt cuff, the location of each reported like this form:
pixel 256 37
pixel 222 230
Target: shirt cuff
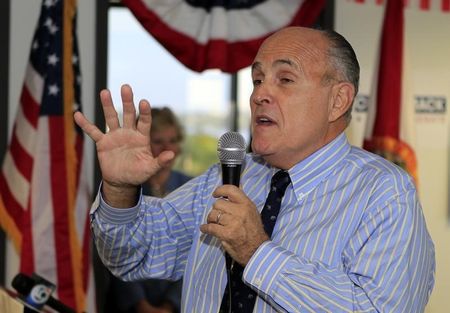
pixel 264 267
pixel 113 215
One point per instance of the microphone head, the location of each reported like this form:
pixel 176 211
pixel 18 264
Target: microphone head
pixel 22 283
pixel 231 148
pixel 35 291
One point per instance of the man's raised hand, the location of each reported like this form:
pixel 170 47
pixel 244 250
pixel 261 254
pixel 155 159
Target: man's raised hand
pixel 124 152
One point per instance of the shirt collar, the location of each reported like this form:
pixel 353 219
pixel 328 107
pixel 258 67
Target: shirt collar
pixel 308 173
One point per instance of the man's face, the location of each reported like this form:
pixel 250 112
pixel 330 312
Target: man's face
pixel 290 102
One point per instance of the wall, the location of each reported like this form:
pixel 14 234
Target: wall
pixel 427 73
pixel 24 15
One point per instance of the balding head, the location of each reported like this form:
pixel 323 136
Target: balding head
pixel 301 95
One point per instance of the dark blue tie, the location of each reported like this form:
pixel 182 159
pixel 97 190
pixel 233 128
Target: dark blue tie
pixel 238 294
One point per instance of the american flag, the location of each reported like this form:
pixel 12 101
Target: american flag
pixel 45 196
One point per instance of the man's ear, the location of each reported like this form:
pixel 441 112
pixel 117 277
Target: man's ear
pixel 342 95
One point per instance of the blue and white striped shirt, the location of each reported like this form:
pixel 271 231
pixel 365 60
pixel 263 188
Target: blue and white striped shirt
pixel 350 237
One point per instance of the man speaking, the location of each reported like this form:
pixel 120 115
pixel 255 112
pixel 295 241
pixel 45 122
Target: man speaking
pixel 316 225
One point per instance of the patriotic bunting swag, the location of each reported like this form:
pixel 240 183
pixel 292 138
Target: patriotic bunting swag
pixel 205 34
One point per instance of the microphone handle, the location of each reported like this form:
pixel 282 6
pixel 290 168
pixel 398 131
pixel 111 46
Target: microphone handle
pixel 231 174
pixel 59 306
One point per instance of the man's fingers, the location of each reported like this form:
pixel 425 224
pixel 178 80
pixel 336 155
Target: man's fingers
pixel 110 113
pixel 217 217
pixel 145 118
pixel 90 129
pixel 230 192
pixel 212 229
pixel 129 111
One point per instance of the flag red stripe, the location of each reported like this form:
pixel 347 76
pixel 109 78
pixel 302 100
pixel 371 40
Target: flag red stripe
pixel 58 172
pixel 21 158
pixel 446 5
pixel 27 252
pixel 13 207
pixel 424 4
pixel 30 108
pixel 390 72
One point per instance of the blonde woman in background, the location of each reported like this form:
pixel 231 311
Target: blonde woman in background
pixel 166 135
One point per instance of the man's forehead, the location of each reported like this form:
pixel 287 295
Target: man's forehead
pixel 294 33
pixel 258 65
pixel 309 45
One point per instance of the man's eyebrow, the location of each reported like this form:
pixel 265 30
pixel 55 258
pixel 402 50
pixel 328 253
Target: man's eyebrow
pixel 258 65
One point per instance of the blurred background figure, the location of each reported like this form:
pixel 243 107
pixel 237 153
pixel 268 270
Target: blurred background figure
pixel 166 134
pixel 154 295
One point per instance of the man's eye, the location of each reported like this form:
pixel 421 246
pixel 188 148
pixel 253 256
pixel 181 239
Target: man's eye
pixel 257 82
pixel 286 80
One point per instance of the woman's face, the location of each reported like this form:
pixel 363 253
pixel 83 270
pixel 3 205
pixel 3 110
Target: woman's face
pixel 165 139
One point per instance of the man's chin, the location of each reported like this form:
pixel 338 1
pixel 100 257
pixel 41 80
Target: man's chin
pixel 269 153
pixel 263 151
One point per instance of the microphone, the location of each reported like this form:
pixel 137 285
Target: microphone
pixel 37 292
pixel 231 153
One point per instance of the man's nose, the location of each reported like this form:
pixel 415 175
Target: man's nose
pixel 262 96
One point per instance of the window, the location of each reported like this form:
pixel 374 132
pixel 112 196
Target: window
pixel 202 101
